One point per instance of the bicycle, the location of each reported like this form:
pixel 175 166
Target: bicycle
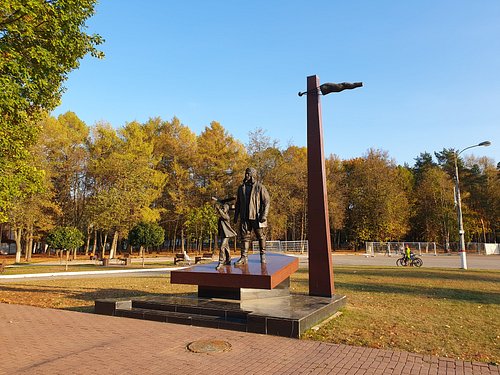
pixel 415 261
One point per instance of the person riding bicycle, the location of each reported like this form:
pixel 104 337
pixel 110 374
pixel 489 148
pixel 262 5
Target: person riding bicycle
pixel 407 253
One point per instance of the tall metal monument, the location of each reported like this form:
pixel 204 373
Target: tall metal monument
pixel 318 235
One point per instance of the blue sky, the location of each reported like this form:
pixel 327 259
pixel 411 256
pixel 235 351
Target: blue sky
pixel 430 68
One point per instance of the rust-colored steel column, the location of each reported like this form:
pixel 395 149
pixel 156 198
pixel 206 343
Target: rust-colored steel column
pixel 318 235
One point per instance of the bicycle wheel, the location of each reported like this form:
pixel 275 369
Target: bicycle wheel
pixel 400 262
pixel 417 262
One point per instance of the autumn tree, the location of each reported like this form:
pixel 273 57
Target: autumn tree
pixel 65 238
pixel 36 211
pixel 263 152
pixel 175 147
pixel 103 143
pixel 478 193
pixel 201 224
pixel 221 161
pixel 40 43
pixel 64 142
pixel 483 199
pixel 146 234
pixel 337 196
pixel 287 186
pixel 378 208
pixel 126 180
pixel 434 212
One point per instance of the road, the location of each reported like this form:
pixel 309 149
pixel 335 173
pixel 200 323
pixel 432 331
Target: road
pixel 485 262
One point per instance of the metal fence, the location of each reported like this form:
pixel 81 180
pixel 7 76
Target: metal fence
pixel 288 246
pixel 395 248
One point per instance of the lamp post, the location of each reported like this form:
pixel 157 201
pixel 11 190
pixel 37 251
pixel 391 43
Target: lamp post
pixel 461 232
pixel 318 233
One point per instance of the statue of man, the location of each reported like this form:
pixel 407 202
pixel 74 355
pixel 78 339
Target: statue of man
pixel 252 208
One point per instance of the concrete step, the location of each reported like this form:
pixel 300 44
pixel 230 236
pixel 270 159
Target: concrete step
pixel 229 312
pixel 282 316
pixel 187 318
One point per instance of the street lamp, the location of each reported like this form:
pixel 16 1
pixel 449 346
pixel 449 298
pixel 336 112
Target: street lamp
pixel 461 239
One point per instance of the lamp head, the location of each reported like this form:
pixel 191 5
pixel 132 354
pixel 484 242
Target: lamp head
pixel 485 143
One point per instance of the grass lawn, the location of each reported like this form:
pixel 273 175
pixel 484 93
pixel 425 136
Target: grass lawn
pixel 452 313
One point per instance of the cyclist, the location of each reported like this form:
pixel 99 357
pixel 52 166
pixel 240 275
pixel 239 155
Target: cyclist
pixel 407 253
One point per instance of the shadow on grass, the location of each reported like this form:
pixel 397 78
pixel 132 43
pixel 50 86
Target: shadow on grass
pixel 420 273
pixel 378 281
pixel 486 298
pixel 75 297
pixel 90 294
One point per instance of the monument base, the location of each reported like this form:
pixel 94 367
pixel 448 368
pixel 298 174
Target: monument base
pixel 244 294
pixel 287 316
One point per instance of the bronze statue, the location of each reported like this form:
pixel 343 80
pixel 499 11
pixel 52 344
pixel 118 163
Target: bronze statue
pixel 225 232
pixel 252 208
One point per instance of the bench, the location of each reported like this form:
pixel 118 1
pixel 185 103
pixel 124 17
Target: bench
pixel 2 265
pixel 205 256
pixel 96 258
pixel 126 260
pixel 104 261
pixel 180 257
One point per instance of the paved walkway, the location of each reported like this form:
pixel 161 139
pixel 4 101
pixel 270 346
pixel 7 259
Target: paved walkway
pixel 46 341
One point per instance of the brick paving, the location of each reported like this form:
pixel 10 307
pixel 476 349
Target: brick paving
pixel 47 341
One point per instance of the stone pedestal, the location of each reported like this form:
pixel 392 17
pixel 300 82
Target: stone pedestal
pixel 253 280
pixel 254 298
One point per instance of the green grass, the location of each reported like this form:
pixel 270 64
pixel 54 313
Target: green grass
pixel 451 313
pixel 448 313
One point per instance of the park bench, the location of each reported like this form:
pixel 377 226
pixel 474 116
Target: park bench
pixel 126 259
pixel 205 256
pixel 2 265
pixel 96 258
pixel 180 257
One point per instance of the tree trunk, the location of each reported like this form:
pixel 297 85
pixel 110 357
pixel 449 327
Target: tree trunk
pixel 182 240
pixel 67 258
pixel 130 249
pixel 484 231
pixel 114 244
pixel 17 237
pixel 87 244
pixel 104 245
pixel 28 245
pixel 174 245
pixel 95 242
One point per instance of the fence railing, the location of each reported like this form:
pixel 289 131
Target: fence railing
pixel 395 248
pixel 288 246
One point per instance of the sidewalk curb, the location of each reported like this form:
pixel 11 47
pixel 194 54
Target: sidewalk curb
pixel 77 273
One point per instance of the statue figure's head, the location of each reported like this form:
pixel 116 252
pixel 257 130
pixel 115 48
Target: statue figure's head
pixel 250 175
